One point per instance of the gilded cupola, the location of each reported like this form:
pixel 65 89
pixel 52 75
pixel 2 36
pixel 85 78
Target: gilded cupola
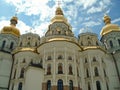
pixel 12 28
pixel 59 11
pixel 109 27
pixel 107 19
pixel 59 25
pixel 59 16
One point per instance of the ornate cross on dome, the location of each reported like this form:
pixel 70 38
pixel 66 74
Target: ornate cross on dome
pixel 26 31
pixel 34 31
pixel 30 30
pixel 104 10
pixel 16 11
pixel 59 2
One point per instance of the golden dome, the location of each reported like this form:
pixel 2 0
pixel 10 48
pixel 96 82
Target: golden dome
pixel 59 17
pixel 107 19
pixel 12 28
pixel 59 11
pixel 108 26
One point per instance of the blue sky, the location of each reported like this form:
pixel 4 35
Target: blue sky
pixel 35 15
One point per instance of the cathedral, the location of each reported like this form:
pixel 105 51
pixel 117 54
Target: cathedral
pixel 59 60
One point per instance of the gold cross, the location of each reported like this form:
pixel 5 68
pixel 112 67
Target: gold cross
pixel 16 11
pixel 30 30
pixel 104 10
pixel 59 2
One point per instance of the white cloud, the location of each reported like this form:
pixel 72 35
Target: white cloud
pixel 33 7
pixel 102 6
pixel 4 23
pixel 81 30
pixel 87 3
pixel 86 29
pixel 94 9
pixel 116 20
pixel 39 29
pixel 88 18
pixel 72 11
pixel 91 23
pixel 23 27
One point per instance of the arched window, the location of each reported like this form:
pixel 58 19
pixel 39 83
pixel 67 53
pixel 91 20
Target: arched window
pixel 60 57
pixel 119 42
pixel 35 43
pixel 49 69
pixel 20 44
pixel 104 72
pixel 102 61
pixel 60 70
pixel 97 43
pixel 98 86
pixel 20 86
pixel 23 61
pixel 89 43
pixel 29 38
pixel 79 86
pixel 48 85
pixel 70 70
pixel 14 74
pixel 69 58
pixel 107 86
pixel 22 73
pixel 94 59
pixel 77 72
pixel 86 60
pixel 12 88
pixel 81 43
pixel 96 71
pixel 28 43
pixel 70 85
pixel 3 44
pixel 59 32
pixel 60 84
pixel 89 88
pixel 111 44
pixel 87 72
pixel 11 45
pixel 49 58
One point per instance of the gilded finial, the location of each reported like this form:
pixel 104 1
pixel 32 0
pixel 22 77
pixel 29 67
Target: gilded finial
pixel 14 19
pixel 59 10
pixel 16 12
pixel 30 30
pixel 106 18
pixel 58 3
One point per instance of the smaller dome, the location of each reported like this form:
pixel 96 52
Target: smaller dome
pixel 108 26
pixel 29 40
pixel 12 28
pixel 107 19
pixel 14 19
